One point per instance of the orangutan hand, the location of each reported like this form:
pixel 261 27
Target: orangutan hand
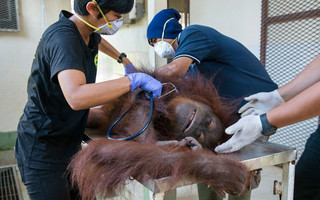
pixel 191 143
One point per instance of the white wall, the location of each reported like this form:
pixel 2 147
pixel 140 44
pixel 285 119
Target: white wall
pixel 132 40
pixel 16 53
pixel 238 19
pixel 129 39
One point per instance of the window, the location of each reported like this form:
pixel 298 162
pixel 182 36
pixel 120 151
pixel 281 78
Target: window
pixel 183 7
pixel 9 18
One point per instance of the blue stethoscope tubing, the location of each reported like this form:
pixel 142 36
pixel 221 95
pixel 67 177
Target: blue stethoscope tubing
pixel 123 114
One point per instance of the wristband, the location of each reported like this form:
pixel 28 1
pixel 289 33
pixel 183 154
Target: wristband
pixel 267 128
pixel 122 55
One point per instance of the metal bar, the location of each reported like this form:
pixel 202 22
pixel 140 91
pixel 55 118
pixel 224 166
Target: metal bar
pixel 263 31
pixel 288 180
pixel 9 177
pixel 1 186
pixel 6 185
pixel 186 11
pixel 293 17
pixel 146 193
pixel 9 184
pixel 17 186
pixel 9 187
pixel 158 196
pixel 13 191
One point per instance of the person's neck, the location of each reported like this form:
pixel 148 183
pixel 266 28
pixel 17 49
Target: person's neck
pixel 85 31
pixel 175 45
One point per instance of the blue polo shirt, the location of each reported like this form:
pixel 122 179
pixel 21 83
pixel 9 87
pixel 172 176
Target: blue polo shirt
pixel 237 72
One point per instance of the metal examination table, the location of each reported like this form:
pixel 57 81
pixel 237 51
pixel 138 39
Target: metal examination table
pixel 256 155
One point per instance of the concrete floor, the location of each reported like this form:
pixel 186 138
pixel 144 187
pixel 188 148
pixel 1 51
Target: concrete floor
pixel 7 157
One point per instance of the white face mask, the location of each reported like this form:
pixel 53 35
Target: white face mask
pixel 164 49
pixel 111 28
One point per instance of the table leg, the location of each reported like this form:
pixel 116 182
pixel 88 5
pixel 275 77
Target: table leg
pixel 158 196
pixel 288 180
pixel 168 195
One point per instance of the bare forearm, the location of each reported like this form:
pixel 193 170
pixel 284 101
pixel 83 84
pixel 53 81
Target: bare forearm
pixel 309 76
pixel 90 95
pixel 303 106
pixel 168 70
pixel 176 69
pixel 108 49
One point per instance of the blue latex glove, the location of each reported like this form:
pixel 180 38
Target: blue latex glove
pixel 128 69
pixel 145 82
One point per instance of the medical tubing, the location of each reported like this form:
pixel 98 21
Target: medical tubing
pixel 123 114
pixel 164 27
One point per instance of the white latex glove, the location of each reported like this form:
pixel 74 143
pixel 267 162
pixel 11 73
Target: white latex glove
pixel 260 103
pixel 245 131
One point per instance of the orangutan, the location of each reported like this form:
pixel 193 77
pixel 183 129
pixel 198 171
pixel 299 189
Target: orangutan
pixel 186 125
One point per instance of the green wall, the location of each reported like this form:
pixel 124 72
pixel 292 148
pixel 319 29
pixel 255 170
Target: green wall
pixel 7 140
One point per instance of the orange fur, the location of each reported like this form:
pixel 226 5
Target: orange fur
pixel 104 165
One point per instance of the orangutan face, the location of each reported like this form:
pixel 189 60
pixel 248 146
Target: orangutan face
pixel 195 119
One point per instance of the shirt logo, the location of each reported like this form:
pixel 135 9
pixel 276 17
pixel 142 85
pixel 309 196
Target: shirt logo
pixel 96 60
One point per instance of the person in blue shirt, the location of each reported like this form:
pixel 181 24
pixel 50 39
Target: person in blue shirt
pixel 237 72
pixel 61 90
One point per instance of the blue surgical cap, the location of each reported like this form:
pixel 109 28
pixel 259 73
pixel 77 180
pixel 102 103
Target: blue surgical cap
pixel 173 27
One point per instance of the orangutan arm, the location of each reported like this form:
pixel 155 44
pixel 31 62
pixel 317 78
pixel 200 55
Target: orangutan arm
pixel 108 164
pixel 188 142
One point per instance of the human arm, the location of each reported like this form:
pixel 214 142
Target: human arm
pixel 303 106
pixel 307 77
pixel 260 103
pixel 81 95
pixel 107 48
pixel 194 46
pixel 176 69
pixel 264 101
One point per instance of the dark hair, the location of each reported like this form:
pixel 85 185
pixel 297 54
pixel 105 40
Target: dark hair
pixel 119 6
pixel 151 41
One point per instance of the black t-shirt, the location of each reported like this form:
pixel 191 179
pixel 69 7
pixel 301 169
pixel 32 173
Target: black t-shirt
pixel 49 131
pixel 237 72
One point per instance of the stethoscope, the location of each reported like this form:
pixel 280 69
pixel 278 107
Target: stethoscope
pixel 150 96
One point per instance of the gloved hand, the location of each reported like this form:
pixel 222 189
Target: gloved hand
pixel 145 82
pixel 245 131
pixel 261 103
pixel 128 69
